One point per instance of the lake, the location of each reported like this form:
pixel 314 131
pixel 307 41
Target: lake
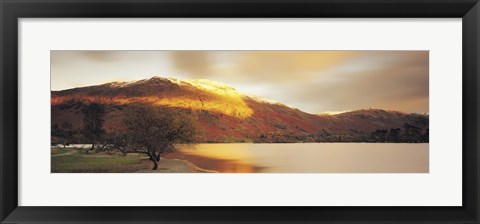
pixel 308 157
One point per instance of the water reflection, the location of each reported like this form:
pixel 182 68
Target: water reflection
pixel 216 164
pixel 308 157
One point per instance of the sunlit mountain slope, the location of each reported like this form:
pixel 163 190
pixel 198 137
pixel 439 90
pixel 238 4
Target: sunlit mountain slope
pixel 227 115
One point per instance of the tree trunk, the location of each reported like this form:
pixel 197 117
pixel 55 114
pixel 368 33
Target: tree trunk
pixel 94 139
pixel 155 165
pixel 158 157
pixel 154 160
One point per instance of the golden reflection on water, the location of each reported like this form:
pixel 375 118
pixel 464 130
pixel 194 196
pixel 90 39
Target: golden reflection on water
pixel 308 157
pixel 225 158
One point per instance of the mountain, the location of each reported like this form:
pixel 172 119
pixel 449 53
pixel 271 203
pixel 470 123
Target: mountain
pixel 227 115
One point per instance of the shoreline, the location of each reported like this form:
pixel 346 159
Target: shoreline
pixel 132 163
pixel 196 168
pixel 175 166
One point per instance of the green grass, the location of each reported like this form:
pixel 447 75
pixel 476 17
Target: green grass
pixel 59 150
pixel 97 163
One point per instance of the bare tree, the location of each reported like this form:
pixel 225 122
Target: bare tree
pixel 154 131
pixel 93 119
pixel 67 133
pixel 64 133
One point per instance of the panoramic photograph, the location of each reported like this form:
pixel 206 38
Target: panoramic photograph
pixel 239 111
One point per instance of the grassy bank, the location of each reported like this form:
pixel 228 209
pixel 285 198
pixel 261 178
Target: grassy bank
pixel 77 161
pixel 59 150
pixel 83 161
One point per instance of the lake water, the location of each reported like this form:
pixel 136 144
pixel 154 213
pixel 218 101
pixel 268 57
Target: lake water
pixel 308 157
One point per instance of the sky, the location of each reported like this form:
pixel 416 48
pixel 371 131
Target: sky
pixel 312 81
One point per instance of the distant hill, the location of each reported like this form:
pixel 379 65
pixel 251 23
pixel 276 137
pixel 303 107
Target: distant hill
pixel 227 115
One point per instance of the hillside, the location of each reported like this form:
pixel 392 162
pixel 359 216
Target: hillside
pixel 227 115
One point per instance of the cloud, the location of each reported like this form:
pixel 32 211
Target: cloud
pixel 71 69
pixel 196 64
pixel 283 66
pixel 313 81
pixel 394 82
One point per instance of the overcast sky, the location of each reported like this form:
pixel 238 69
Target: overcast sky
pixel 313 81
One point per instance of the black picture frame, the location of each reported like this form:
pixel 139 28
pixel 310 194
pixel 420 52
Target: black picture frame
pixel 12 10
